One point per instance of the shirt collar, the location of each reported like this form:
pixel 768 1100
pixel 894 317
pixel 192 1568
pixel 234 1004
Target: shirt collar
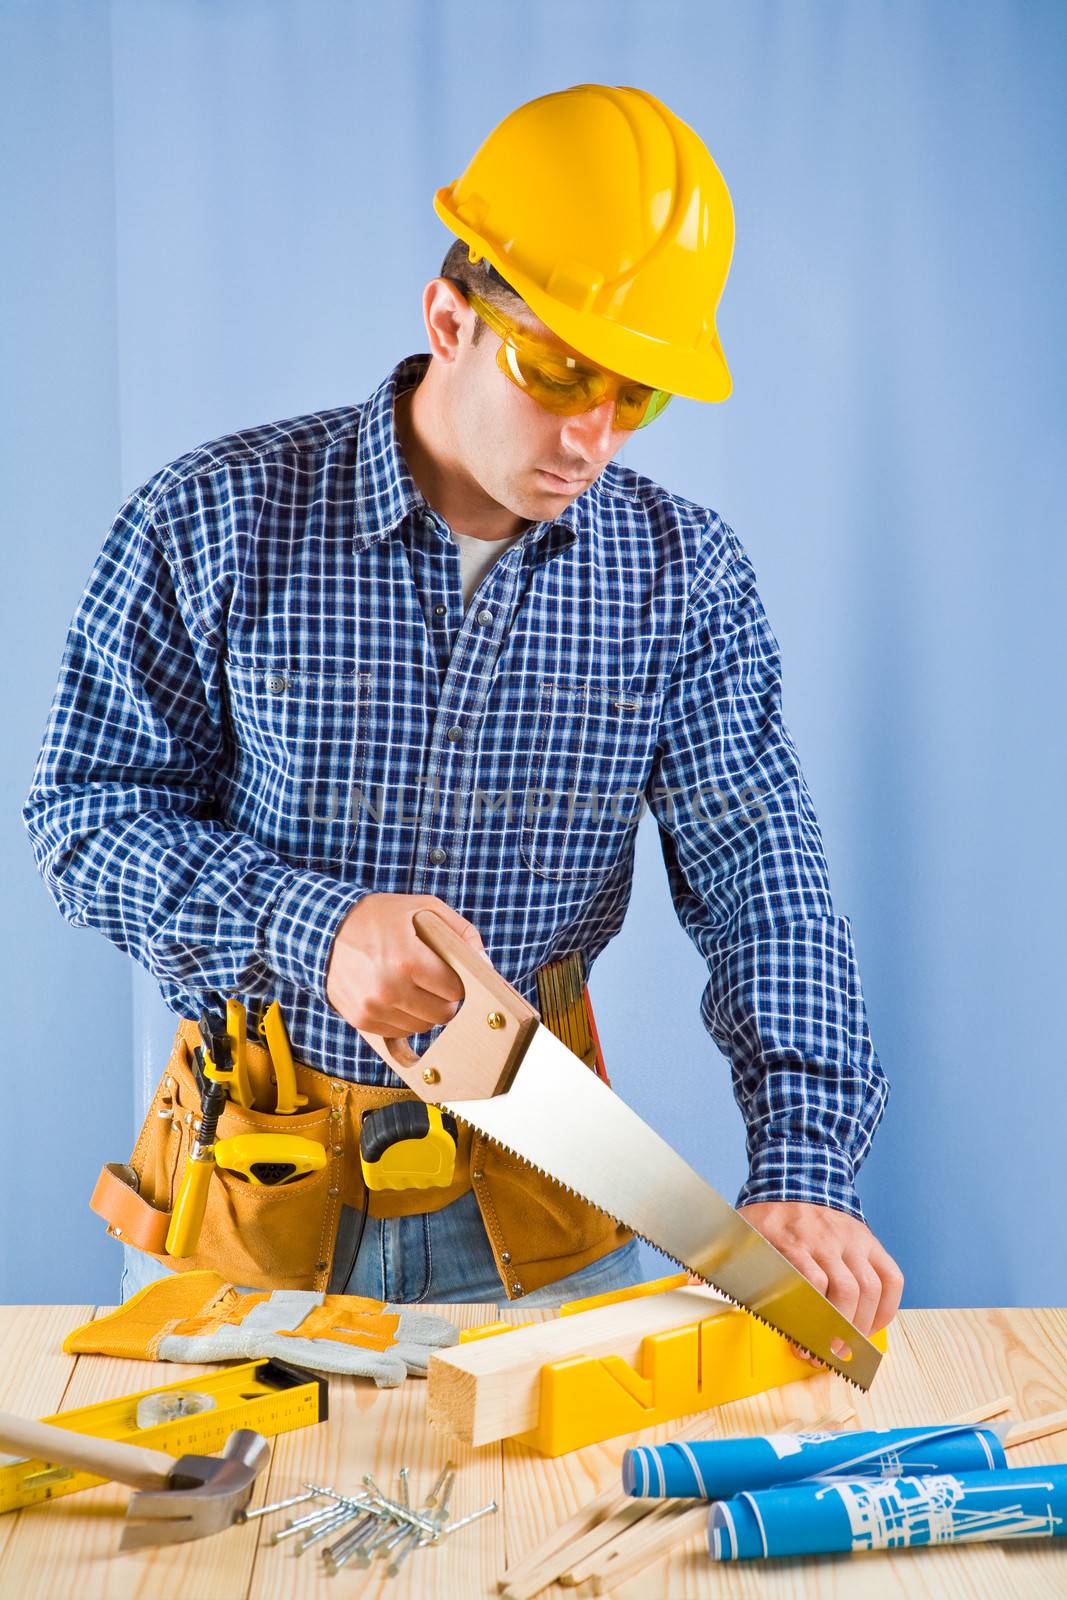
pixel 388 493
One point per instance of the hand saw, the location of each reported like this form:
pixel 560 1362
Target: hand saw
pixel 499 1068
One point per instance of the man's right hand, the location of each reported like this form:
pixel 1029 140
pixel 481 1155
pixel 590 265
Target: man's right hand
pixel 382 978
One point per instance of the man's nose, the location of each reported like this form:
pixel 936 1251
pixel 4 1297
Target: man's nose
pixel 591 433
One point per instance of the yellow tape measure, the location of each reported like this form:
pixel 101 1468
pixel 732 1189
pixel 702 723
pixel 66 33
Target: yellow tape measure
pixel 408 1145
pixel 271 1397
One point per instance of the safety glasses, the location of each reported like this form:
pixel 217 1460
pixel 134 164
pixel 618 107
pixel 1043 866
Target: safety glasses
pixel 559 382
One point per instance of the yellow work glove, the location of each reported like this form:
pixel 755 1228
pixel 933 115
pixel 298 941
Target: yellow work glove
pixel 199 1317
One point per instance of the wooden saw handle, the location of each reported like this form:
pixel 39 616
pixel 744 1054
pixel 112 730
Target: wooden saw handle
pixel 107 1458
pixel 478 1051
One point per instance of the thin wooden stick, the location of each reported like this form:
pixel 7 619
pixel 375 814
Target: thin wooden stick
pixel 1036 1428
pixel 585 1518
pixel 610 1517
pixel 992 1408
pixel 668 1535
pixel 596 1524
pixel 673 1514
pixel 583 1521
pixel 670 1514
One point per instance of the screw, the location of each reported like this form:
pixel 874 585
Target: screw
pixel 313 1517
pixel 430 1075
pixel 495 1019
pixel 366 1548
pixel 348 1513
pixel 431 1498
pixel 399 1511
pixel 323 1488
pixel 414 1539
pixel 398 1536
pixel 279 1505
pixel 293 1528
pixel 441 1516
pixel 482 1511
pixel 335 1555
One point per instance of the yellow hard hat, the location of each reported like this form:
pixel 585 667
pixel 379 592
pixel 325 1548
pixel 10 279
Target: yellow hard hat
pixel 607 215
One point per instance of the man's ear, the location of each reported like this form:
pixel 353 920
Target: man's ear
pixel 448 318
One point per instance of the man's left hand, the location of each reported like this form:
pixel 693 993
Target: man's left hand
pixel 839 1255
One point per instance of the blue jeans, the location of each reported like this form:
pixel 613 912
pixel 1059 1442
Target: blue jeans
pixel 435 1256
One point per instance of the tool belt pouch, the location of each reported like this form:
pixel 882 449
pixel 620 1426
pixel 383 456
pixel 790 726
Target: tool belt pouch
pixel 258 1237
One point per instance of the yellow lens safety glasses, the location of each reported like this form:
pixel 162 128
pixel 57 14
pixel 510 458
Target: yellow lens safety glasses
pixel 560 382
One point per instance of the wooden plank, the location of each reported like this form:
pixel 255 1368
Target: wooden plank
pixel 491 1389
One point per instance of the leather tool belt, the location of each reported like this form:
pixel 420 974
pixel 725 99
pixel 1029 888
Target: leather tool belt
pixel 284 1237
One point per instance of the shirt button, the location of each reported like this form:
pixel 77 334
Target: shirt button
pixel 439 611
pixel 437 855
pixel 454 734
pixel 276 683
pixel 484 617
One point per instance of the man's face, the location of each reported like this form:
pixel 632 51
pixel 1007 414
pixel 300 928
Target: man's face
pixel 516 450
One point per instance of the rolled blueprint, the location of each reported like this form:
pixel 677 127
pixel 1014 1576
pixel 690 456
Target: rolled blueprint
pixel 821 1516
pixel 715 1469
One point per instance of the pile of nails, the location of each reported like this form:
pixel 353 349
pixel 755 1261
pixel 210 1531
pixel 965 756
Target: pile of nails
pixel 374 1525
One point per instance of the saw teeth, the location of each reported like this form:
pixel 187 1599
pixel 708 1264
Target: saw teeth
pixel 665 1253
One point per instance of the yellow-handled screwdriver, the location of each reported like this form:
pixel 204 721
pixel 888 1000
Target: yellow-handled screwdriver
pixel 188 1216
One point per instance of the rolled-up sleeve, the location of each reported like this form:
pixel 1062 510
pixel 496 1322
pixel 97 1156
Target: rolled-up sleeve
pixel 748 877
pixel 122 812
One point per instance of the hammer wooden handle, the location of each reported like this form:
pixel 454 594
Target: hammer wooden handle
pixel 122 1463
pixel 478 1052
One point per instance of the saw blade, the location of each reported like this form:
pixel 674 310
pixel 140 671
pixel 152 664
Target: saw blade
pixel 559 1117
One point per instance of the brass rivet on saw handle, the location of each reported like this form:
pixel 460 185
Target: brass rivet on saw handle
pixel 430 1075
pixel 495 1019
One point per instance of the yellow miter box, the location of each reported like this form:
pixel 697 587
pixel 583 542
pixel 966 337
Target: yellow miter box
pixel 726 1356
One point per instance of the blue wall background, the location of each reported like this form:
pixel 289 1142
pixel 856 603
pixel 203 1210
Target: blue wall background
pixel 220 215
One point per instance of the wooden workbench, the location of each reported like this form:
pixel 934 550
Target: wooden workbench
pixel 939 1363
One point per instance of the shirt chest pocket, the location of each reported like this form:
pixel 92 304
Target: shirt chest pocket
pixel 592 751
pixel 298 754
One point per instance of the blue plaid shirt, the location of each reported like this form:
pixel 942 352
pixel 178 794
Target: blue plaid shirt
pixel 272 701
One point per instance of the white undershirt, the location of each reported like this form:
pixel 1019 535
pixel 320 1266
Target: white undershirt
pixel 476 556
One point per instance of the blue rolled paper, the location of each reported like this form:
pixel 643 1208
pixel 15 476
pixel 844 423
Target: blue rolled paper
pixel 823 1516
pixel 716 1469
